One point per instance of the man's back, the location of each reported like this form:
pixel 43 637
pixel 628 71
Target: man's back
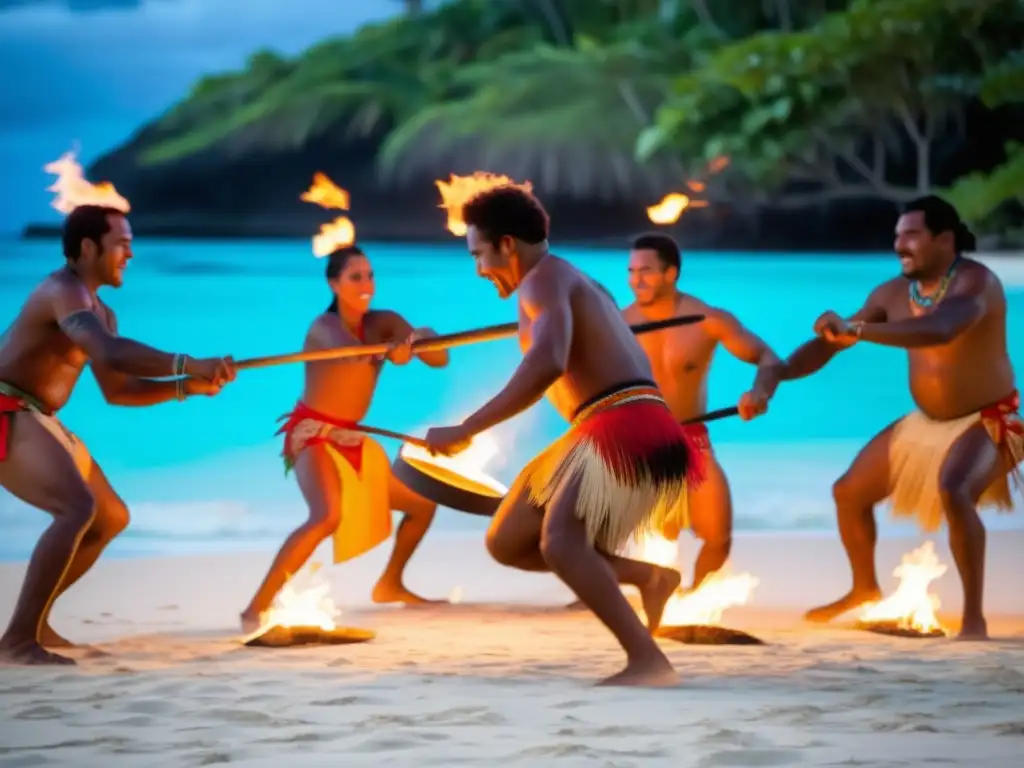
pixel 604 352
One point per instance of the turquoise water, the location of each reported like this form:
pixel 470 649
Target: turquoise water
pixel 206 475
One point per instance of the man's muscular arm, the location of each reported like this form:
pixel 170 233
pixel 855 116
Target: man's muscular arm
pixel 125 389
pixel 963 306
pixel 812 356
pixel 73 311
pixel 548 305
pixel 745 345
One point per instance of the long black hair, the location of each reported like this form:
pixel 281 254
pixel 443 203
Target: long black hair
pixel 336 264
pixel 941 216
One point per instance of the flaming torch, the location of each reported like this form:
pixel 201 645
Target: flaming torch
pixel 73 190
pixel 336 234
pixel 459 190
pixel 673 205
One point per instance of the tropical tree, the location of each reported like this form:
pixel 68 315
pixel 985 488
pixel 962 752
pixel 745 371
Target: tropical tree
pixel 859 105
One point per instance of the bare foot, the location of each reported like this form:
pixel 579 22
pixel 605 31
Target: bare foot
pixel 656 672
pixel 49 638
pixel 655 594
pixel 397 593
pixel 30 653
pixel 854 599
pixel 973 629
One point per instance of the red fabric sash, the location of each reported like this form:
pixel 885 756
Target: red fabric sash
pixel 8 405
pixel 1005 416
pixel 353 453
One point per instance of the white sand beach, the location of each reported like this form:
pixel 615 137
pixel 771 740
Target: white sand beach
pixel 506 676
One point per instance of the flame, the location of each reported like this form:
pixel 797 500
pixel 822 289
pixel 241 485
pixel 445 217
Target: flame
pixel 911 606
pixel 672 207
pixel 718 165
pixel 338 234
pixel 706 604
pixel 468 463
pixel 74 190
pixel 459 190
pixel 310 606
pixel 326 193
pixel 696 186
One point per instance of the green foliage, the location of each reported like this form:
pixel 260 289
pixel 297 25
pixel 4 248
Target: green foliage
pixel 798 105
pixel 1003 83
pixel 824 98
pixel 979 196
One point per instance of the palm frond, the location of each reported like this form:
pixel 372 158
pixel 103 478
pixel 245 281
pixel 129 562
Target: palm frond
pixel 567 119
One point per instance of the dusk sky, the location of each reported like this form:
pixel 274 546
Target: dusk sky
pixel 89 72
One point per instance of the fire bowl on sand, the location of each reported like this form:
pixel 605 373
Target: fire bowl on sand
pixel 707 634
pixel 278 636
pixel 446 483
pixel 895 629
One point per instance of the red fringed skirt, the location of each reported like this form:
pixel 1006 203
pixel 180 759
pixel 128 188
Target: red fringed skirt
pixel 632 463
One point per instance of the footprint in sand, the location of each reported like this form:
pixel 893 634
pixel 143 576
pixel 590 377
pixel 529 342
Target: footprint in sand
pixel 751 757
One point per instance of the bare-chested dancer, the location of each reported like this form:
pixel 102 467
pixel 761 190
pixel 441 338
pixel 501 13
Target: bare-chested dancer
pixel 624 461
pixel 958 450
pixel 62 326
pixel 345 476
pixel 681 360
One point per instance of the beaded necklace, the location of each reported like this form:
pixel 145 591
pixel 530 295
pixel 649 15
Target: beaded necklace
pixel 919 303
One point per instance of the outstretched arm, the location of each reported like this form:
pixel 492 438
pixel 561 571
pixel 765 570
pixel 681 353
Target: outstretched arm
pixel 747 346
pixel 812 356
pixel 74 313
pixel 963 306
pixel 125 389
pixel 548 306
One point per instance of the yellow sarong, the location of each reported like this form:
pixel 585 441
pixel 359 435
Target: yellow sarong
pixel 365 504
pixel 918 448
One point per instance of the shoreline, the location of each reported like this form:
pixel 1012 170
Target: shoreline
pixel 49 232
pixel 795 570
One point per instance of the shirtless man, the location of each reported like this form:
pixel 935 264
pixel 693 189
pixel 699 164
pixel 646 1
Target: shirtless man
pixel 957 451
pixel 622 464
pixel 62 326
pixel 681 358
pixel 344 475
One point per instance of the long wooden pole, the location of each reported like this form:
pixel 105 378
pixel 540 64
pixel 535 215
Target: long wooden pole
pixel 720 413
pixel 487 333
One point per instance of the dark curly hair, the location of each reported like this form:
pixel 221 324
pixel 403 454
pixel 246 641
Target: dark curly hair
pixel 507 211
